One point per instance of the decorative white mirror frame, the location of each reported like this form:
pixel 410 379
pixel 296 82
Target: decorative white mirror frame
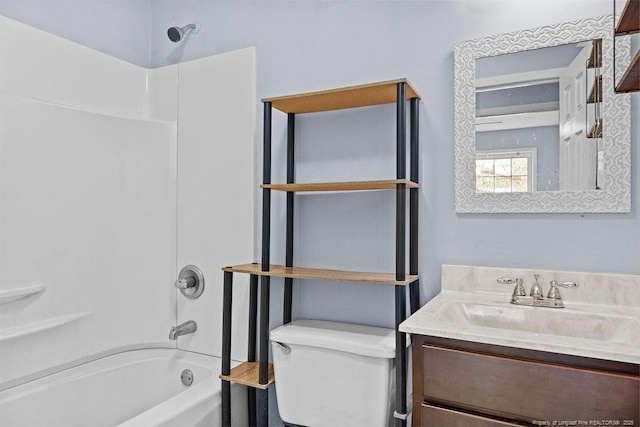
pixel 615 192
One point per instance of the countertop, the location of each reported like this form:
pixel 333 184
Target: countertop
pixel 475 286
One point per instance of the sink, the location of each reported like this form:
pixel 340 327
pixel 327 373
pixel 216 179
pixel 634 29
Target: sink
pixel 559 322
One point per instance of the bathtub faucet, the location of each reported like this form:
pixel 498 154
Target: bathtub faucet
pixel 182 329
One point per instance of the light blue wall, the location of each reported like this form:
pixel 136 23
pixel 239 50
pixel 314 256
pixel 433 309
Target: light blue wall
pixel 117 27
pixel 313 45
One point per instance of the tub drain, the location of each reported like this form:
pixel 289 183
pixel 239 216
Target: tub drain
pixel 186 377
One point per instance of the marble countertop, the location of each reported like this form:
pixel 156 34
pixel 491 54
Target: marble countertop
pixel 571 331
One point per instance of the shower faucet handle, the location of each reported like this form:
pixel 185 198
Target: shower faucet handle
pixel 190 282
pixel 185 282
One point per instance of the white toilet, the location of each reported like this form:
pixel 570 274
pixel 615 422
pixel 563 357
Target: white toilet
pixel 334 374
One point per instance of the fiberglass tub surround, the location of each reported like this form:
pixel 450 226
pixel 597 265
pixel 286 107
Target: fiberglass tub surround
pixel 601 317
pixel 108 174
pixel 85 207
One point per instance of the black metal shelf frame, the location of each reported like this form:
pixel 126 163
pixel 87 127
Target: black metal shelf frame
pixel 258 400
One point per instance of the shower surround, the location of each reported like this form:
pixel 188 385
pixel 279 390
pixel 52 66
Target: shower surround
pixel 112 178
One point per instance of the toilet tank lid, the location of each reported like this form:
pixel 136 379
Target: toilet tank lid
pixel 358 339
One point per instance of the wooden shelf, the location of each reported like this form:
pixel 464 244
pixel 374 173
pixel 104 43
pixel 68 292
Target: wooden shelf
pixel 596 91
pixel 321 274
pixel 595 59
pixel 596 130
pixel 338 99
pixel 629 21
pixel 247 374
pixel 630 80
pixel 341 186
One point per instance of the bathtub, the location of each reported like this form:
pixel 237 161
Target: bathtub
pixel 140 388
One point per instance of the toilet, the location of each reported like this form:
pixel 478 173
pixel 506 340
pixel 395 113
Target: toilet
pixel 334 374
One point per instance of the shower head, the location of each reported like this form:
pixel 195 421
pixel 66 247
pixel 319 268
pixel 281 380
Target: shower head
pixel 176 34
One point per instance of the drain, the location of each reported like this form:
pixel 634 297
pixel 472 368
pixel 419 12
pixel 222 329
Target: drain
pixel 186 377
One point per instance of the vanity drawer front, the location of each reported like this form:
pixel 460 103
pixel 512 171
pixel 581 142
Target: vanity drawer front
pixel 526 390
pixel 440 417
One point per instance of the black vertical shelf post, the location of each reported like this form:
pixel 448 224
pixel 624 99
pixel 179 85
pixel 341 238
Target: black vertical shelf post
pixel 227 295
pixel 414 193
pixel 265 285
pixel 288 282
pixel 266 192
pixel 251 347
pixel 400 292
pixel 401 173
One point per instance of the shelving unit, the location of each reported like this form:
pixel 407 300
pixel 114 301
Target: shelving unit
pixel 595 131
pixel 257 372
pixel 594 97
pixel 629 23
pixel 595 58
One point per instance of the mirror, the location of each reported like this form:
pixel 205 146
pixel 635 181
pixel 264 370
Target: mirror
pixel 529 137
pixel 538 127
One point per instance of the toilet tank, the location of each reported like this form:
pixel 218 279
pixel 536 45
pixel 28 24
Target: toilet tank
pixel 334 374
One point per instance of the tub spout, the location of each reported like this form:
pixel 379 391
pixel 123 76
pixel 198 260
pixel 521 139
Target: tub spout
pixel 182 329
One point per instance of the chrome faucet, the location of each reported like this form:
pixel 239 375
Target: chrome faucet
pixel 182 329
pixel 536 296
pixel 536 291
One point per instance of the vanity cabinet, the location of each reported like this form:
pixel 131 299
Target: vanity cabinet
pixel 462 383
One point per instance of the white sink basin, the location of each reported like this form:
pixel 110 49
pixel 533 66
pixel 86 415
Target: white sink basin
pixel 547 321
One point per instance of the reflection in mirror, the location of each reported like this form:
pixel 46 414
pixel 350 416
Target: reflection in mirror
pixel 533 119
pixel 538 127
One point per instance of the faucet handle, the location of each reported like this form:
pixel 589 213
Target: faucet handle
pixel 554 292
pixel 518 290
pixel 185 282
pixel 564 284
pixel 190 281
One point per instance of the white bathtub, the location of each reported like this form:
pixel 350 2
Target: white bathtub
pixel 140 388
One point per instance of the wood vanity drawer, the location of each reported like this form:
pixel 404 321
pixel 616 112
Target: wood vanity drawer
pixel 526 390
pixel 434 416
